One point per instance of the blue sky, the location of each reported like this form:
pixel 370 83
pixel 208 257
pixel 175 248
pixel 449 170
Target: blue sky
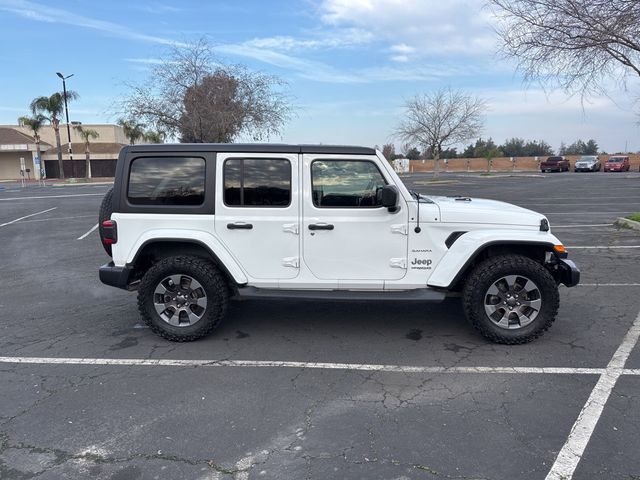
pixel 350 64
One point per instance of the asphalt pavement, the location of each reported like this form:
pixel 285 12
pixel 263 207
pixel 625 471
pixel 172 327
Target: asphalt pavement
pixel 321 390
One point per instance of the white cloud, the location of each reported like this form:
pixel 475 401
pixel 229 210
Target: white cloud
pixel 433 27
pixel 400 58
pixel 44 13
pixel 402 48
pixel 343 38
pixel 309 69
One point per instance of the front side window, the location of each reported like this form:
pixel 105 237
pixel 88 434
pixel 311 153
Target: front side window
pixel 166 181
pixel 346 184
pixel 257 182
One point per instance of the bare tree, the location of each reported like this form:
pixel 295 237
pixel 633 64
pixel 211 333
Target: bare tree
pixel 440 120
pixel 194 97
pixel 572 44
pixel 389 151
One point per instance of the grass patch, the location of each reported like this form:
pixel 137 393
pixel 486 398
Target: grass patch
pixel 634 216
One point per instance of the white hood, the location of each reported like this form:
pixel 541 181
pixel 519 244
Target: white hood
pixel 480 210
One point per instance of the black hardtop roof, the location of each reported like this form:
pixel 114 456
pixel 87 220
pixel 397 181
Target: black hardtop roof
pixel 250 148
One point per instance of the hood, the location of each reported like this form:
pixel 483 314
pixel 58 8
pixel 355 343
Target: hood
pixel 483 211
pixel 586 162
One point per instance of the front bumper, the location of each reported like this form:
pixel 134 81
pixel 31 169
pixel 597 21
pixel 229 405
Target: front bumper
pixel 568 272
pixel 115 276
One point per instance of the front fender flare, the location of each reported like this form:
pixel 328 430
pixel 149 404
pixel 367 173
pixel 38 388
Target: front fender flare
pixel 465 249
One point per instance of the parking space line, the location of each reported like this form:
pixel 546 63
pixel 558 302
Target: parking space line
pixel 584 225
pixel 573 449
pixel 58 218
pixel 593 214
pixel 609 284
pixel 27 216
pixel 600 247
pixel 52 196
pixel 143 362
pixel 81 237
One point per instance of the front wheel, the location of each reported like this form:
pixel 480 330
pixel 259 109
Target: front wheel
pixel 183 298
pixel 510 299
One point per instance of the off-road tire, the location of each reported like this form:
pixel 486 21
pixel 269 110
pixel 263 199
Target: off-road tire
pixel 212 282
pixel 106 209
pixel 492 269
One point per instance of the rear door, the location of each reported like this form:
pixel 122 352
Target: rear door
pixel 257 212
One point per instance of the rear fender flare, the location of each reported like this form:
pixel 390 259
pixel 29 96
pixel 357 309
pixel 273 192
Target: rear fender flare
pixel 206 240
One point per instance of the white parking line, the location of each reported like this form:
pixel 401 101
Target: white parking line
pixel 81 237
pixel 143 362
pixel 599 247
pixel 52 196
pixel 617 212
pixel 26 216
pixel 584 225
pixel 571 452
pixel 609 284
pixel 58 218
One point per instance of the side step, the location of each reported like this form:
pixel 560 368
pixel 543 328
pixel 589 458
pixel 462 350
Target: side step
pixel 421 294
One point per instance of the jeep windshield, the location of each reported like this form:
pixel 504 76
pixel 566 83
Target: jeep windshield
pixel 615 160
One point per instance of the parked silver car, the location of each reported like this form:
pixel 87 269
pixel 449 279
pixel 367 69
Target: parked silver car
pixel 588 163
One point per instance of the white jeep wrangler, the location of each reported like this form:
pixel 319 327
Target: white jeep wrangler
pixel 192 226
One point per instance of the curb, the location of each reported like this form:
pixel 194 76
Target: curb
pixel 626 223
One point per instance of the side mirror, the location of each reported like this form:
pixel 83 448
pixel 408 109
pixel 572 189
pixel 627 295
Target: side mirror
pixel 389 198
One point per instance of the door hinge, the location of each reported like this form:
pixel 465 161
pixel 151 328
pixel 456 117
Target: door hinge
pixel 291 228
pixel 400 228
pixel 398 263
pixel 291 262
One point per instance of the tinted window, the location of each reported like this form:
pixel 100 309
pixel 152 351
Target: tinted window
pixel 340 183
pixel 167 181
pixel 257 182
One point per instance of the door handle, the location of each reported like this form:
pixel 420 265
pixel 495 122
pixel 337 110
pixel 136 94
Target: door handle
pixel 320 226
pixel 239 226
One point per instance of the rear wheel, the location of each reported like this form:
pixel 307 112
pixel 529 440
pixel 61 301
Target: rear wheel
pixel 183 298
pixel 510 299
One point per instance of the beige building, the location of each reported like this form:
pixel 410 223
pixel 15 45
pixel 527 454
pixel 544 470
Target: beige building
pixel 18 151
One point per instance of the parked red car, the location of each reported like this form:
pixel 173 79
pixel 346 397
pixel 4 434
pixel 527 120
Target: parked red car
pixel 555 164
pixel 617 163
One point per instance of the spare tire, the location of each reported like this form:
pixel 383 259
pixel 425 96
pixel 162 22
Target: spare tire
pixel 106 209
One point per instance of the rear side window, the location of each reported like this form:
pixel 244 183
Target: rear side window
pixel 166 181
pixel 257 182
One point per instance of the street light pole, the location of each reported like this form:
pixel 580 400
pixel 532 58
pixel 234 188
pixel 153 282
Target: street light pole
pixel 66 109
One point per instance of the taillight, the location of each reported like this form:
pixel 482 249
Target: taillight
pixel 109 232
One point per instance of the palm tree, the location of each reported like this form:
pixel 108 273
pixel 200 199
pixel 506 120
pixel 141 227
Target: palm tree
pixel 133 130
pixel 152 136
pixel 87 134
pixel 35 123
pixel 51 108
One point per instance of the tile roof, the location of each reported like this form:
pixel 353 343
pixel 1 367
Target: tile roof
pixel 9 136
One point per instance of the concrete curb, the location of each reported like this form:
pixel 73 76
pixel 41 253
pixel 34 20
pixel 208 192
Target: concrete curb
pixel 626 223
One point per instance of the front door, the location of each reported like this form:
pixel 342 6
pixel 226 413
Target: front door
pixel 346 234
pixel 257 212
